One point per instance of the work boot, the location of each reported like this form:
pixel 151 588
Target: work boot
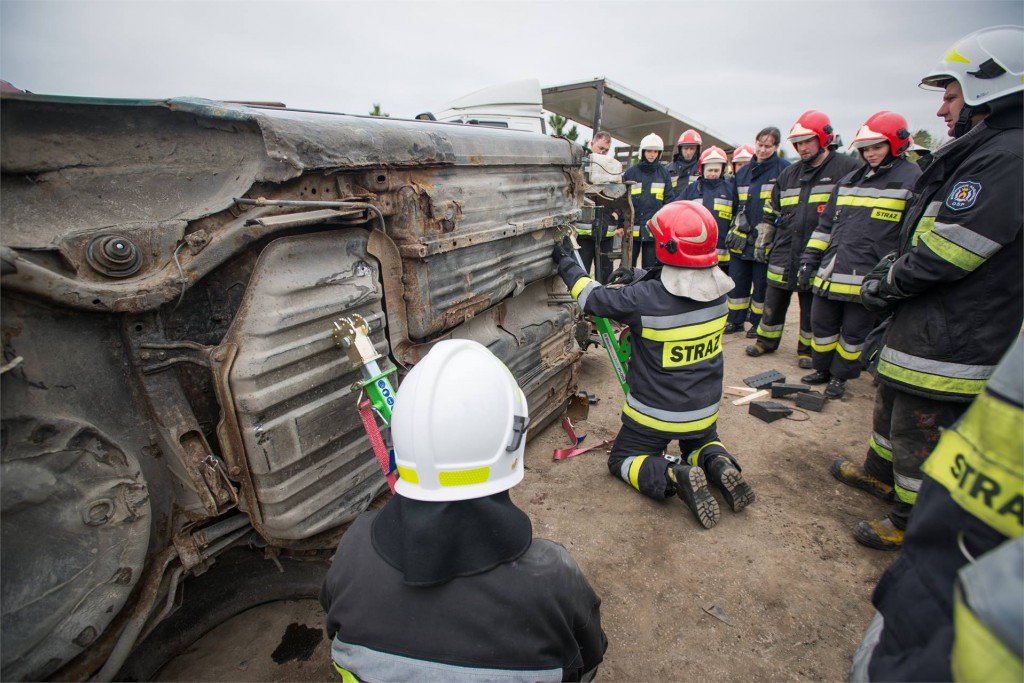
pixel 732 328
pixel 880 534
pixel 855 476
pixel 735 490
pixel 836 388
pixel 752 332
pixel 804 363
pixel 758 350
pixel 692 487
pixel 815 378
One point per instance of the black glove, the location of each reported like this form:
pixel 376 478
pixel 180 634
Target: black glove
pixel 874 297
pixel 621 276
pixel 804 277
pixel 558 253
pixel 736 241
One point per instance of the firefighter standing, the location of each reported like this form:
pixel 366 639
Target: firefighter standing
pixel 684 168
pixel 754 185
pixel 717 193
pixel 790 215
pixel 652 187
pixel 676 315
pixel 741 156
pixel 954 287
pixel 950 606
pixel 859 226
pixel 589 247
pixel 446 582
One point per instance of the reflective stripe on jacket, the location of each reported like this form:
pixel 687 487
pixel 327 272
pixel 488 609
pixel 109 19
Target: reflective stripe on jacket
pixel 683 173
pixel 797 200
pixel 860 225
pixel 960 264
pixel 675 370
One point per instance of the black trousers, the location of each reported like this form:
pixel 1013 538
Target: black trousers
pixel 776 305
pixel 636 458
pixel 746 305
pixel 840 328
pixel 588 249
pixel 905 430
pixel 650 256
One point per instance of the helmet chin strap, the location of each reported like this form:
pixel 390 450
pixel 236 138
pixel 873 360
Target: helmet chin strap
pixel 963 123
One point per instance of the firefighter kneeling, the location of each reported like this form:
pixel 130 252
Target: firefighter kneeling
pixel 676 314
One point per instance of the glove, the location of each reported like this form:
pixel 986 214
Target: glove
pixel 558 253
pixel 881 269
pixel 765 239
pixel 621 276
pixel 871 297
pixel 736 241
pixel 804 277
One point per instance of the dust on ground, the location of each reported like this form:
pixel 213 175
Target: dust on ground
pixel 786 574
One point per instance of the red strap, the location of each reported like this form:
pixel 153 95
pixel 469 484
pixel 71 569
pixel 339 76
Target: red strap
pixel 373 432
pixel 563 453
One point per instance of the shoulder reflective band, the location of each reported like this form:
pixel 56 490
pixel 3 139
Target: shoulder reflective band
pixel 979 462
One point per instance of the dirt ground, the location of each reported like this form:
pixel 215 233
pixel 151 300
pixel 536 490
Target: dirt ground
pixel 785 573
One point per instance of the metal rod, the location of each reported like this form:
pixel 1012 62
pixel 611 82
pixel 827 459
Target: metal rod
pixel 208 535
pixel 245 201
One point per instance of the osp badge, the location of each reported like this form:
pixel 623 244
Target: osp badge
pixel 963 195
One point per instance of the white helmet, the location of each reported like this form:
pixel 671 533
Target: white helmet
pixel 988 64
pixel 652 141
pixel 458 425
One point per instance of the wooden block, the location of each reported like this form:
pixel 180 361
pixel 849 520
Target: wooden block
pixel 738 391
pixel 763 393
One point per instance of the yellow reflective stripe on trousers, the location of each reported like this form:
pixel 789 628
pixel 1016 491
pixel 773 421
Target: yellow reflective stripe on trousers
pixel 979 462
pixel 693 459
pixel 346 675
pixel 977 653
pixel 634 471
pixel 883 451
pixel 953 378
pixel 872 202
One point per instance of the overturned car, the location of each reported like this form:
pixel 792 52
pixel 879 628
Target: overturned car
pixel 171 392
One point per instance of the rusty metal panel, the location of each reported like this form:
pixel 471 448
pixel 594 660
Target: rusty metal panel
pixel 308 455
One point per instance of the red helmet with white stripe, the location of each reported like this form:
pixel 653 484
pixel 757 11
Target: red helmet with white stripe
pixel 690 137
pixel 812 124
pixel 685 235
pixel 712 155
pixel 743 154
pixel 885 126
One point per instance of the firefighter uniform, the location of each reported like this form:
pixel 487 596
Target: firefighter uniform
pixel 797 200
pixel 859 226
pixel 956 286
pixel 718 197
pixel 652 187
pixel 754 185
pixel 675 375
pixel 942 613
pixel 683 173
pixel 589 247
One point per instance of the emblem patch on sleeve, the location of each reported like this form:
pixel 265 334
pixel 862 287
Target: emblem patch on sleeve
pixel 963 195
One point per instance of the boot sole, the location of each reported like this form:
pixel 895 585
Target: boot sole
pixel 865 535
pixel 735 490
pixel 695 493
pixel 888 497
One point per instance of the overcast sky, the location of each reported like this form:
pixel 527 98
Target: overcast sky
pixel 733 66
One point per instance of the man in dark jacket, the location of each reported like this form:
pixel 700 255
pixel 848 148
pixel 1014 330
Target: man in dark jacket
pixel 860 225
pixel 651 189
pixel 954 287
pixel 754 183
pixel 446 582
pixel 798 198
pixel 684 168
pixel 676 314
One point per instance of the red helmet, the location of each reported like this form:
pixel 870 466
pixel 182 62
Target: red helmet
pixel 812 124
pixel 690 137
pixel 743 154
pixel 685 235
pixel 712 155
pixel 885 126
